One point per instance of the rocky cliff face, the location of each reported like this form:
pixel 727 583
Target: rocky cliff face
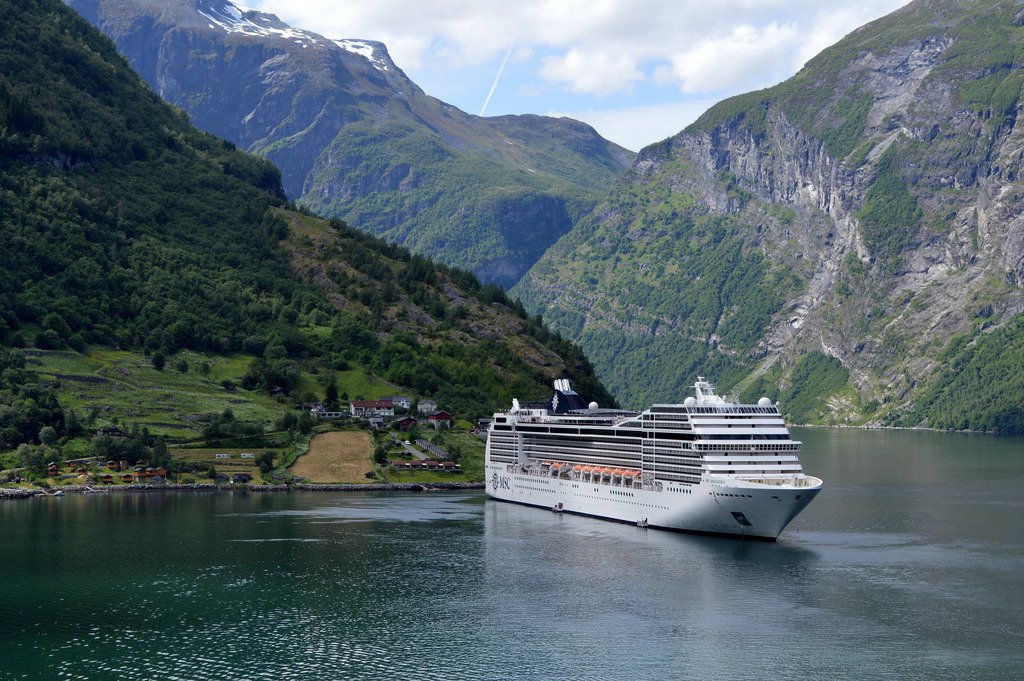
pixel 356 139
pixel 866 212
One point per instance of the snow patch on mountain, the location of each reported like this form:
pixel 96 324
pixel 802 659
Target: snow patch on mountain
pixel 237 19
pixel 363 49
pixel 251 22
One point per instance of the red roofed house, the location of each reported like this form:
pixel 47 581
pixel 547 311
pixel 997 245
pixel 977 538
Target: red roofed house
pixel 373 408
pixel 441 419
pixel 405 424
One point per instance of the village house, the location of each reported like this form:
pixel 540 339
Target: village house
pixel 78 464
pixel 377 423
pixel 318 412
pixel 366 408
pixel 401 401
pixel 112 431
pixel 426 406
pixel 406 424
pixel 441 419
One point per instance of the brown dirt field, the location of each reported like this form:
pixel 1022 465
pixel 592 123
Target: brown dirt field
pixel 336 457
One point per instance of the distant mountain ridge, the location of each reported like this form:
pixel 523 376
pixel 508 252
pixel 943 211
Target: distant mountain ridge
pixel 123 226
pixel 850 241
pixel 355 138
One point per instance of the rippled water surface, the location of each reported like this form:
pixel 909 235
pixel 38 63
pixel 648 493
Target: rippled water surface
pixel 910 564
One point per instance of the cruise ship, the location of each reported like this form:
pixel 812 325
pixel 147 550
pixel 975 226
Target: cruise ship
pixel 707 465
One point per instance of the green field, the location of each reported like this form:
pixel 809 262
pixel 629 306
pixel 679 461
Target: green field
pixel 124 387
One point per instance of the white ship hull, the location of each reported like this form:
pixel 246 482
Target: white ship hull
pixel 706 465
pixel 706 508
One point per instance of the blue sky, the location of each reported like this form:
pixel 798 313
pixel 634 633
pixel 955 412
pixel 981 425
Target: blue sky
pixel 637 70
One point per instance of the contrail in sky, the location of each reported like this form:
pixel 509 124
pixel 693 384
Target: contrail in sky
pixel 494 85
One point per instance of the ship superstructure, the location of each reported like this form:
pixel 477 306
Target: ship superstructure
pixel 706 465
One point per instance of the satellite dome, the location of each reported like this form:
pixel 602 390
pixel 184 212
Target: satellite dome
pixel 593 405
pixel 689 401
pixel 764 402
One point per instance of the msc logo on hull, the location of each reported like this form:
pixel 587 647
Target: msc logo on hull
pixel 500 482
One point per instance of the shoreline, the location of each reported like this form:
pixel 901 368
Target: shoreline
pixel 911 428
pixel 23 493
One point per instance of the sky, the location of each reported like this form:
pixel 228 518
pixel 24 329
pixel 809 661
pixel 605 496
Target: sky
pixel 637 70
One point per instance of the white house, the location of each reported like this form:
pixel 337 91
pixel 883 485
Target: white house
pixel 427 407
pixel 318 412
pixel 401 401
pixel 373 408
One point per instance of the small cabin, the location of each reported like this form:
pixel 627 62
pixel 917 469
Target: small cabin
pixel 241 478
pixel 431 464
pixel 247 455
pixel 107 479
pixel 127 477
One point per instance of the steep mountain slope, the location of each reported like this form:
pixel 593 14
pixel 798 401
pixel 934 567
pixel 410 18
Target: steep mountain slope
pixel 356 139
pixel 122 225
pixel 853 235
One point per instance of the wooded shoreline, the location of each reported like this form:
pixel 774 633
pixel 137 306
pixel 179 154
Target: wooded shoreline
pixel 22 493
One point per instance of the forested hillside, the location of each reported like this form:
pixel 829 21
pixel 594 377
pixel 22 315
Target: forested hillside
pixel 357 139
pixel 124 226
pixel 867 211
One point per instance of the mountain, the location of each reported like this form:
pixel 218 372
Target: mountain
pixel 850 241
pixel 125 227
pixel 356 139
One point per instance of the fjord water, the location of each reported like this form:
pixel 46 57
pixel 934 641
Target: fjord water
pixel 909 564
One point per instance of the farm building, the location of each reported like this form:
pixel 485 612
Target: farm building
pixel 405 424
pixel 441 419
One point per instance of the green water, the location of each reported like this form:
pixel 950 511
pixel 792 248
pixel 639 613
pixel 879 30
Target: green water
pixel 909 565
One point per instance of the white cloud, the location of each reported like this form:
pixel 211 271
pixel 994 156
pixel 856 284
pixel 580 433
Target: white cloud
pixel 748 56
pixel 594 72
pixel 599 46
pixel 635 127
